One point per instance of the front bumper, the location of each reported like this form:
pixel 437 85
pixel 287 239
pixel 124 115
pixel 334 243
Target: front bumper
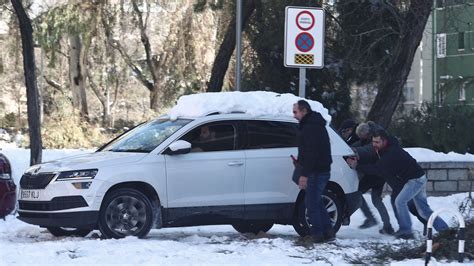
pixel 84 219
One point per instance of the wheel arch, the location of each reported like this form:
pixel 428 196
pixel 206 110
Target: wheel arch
pixel 147 189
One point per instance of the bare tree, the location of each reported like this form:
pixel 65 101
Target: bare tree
pixel 157 68
pixel 226 49
pixel 32 93
pixel 390 85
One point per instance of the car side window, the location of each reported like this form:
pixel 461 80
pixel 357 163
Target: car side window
pixel 212 137
pixel 271 134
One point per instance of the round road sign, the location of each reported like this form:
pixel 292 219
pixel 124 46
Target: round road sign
pixel 305 20
pixel 304 42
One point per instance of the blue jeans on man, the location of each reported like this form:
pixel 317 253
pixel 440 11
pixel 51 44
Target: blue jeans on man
pixel 415 189
pixel 316 211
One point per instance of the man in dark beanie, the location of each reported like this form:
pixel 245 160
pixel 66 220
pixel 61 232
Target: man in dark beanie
pixel 314 157
pixel 347 131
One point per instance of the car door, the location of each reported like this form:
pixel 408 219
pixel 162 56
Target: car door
pixel 210 178
pixel 269 190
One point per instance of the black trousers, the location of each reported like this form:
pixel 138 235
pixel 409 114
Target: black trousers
pixel 376 184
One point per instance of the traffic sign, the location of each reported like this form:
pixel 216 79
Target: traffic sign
pixel 304 37
pixel 304 42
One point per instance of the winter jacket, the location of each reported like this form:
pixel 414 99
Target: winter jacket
pixel 314 149
pixel 395 165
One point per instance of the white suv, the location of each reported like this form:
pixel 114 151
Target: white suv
pixel 216 169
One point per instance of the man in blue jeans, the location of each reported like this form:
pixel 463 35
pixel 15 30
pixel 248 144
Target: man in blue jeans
pixel 397 166
pixel 314 157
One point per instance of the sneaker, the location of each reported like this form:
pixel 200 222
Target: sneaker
pixel 368 223
pixel 387 230
pixel 404 235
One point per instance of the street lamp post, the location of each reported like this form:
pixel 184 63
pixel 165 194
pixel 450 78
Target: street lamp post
pixel 238 33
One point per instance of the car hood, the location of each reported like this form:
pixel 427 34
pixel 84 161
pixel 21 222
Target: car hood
pixel 87 161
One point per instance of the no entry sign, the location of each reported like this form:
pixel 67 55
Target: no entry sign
pixel 304 37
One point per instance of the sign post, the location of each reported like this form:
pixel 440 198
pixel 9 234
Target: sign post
pixel 304 40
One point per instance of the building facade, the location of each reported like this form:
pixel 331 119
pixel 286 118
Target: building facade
pixel 444 76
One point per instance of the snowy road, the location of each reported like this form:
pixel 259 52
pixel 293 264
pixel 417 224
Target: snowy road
pixel 21 243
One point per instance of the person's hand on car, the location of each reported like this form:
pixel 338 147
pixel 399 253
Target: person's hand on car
pixel 352 162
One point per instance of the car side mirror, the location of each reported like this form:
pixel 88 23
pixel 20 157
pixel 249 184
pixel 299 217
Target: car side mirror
pixel 178 147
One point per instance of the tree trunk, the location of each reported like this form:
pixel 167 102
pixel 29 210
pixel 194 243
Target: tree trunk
pixel 391 86
pixel 76 75
pixel 155 96
pixel 221 63
pixel 32 94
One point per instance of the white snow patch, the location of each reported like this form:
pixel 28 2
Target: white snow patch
pixel 255 103
pixel 427 155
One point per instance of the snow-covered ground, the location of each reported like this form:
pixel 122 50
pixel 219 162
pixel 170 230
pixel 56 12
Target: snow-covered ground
pixel 21 243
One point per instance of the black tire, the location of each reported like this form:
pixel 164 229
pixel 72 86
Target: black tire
pixel 254 228
pixel 126 212
pixel 333 205
pixel 62 231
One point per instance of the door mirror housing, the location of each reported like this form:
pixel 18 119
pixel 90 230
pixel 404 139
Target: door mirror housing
pixel 178 147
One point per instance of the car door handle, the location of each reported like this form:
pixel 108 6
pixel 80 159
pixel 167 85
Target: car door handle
pixel 235 163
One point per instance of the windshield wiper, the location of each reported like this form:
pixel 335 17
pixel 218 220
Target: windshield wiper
pixel 132 150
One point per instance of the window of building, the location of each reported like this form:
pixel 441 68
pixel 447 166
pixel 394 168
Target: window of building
pixel 461 40
pixel 270 134
pixel 439 3
pixel 409 92
pixel 441 45
pixel 441 94
pixel 462 92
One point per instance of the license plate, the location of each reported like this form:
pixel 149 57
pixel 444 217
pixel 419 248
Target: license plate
pixel 28 194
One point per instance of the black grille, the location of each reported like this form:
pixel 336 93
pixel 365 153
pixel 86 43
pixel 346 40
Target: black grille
pixel 57 203
pixel 35 181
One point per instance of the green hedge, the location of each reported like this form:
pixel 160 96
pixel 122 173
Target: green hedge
pixel 445 129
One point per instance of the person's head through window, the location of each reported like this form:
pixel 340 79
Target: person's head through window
pixel 206 134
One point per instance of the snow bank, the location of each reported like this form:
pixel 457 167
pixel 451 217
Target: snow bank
pixel 427 155
pixel 256 103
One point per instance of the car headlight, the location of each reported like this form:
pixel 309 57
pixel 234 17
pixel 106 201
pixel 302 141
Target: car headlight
pixel 77 174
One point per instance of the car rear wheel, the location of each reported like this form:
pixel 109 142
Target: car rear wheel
pixel 252 227
pixel 64 231
pixel 126 212
pixel 333 206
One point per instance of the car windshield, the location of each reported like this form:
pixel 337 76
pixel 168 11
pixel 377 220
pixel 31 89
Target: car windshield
pixel 146 137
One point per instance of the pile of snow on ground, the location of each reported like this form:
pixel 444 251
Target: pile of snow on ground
pixel 255 103
pixel 427 155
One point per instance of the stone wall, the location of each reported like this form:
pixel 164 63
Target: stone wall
pixel 448 177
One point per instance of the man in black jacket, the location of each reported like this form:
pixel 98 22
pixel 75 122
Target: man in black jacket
pixel 366 155
pixel 400 170
pixel 314 157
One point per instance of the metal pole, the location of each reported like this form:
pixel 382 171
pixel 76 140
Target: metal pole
pixel 434 91
pixel 302 83
pixel 238 33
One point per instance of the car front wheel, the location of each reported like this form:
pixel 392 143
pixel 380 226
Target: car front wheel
pixel 126 212
pixel 333 206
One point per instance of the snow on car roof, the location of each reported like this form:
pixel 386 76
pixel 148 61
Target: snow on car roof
pixel 255 103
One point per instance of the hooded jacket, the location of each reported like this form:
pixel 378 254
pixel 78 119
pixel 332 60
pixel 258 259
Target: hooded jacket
pixel 395 165
pixel 314 148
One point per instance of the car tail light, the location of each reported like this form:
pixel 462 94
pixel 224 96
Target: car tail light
pixel 5 169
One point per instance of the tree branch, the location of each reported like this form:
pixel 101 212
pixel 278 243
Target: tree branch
pixel 138 73
pixel 145 40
